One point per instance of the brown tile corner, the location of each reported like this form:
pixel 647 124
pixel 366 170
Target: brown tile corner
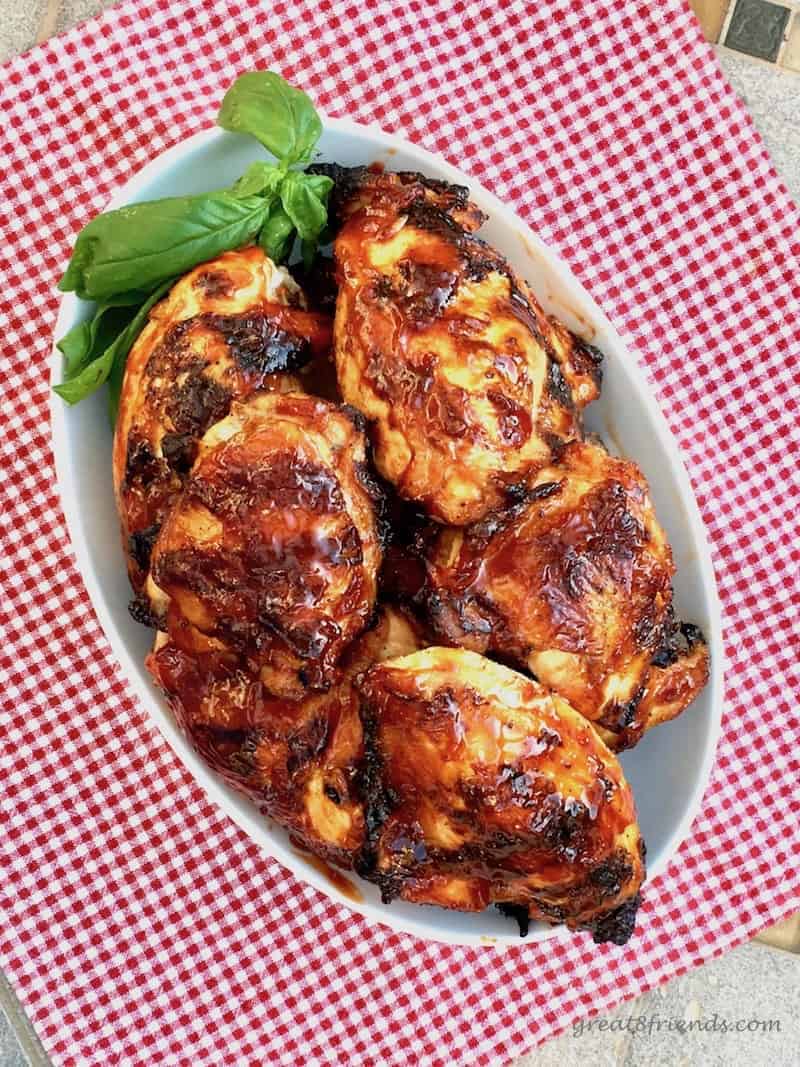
pixel 711 16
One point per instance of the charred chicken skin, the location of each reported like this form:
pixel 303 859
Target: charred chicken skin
pixel 482 787
pixel 574 584
pixel 272 551
pixel 228 329
pixel 466 382
pixel 298 760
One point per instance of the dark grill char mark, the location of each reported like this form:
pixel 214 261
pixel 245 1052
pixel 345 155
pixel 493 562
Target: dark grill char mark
pixel 141 465
pixel 140 611
pixel 179 450
pixel 258 345
pixel 618 717
pixel 612 874
pixel 358 419
pixel 378 802
pixel 542 492
pixel 519 914
pixel 348 182
pixel 678 640
pixel 424 215
pixel 692 635
pixel 378 492
pixel 617 927
pixel 197 403
pixel 557 386
pixel 587 359
pixel 476 258
pixel 519 496
pixel 562 827
pixel 231 753
pixel 140 545
pixel 255 342
pixel 609 878
pixel 648 629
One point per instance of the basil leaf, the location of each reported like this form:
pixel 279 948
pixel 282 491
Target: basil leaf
pixel 260 179
pixel 95 373
pixel 320 184
pixel 140 245
pixel 304 198
pixel 281 117
pixel 89 339
pixel 76 347
pixel 277 236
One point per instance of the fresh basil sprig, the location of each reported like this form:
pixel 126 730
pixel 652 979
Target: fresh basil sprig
pixel 92 355
pixel 122 259
pixel 283 119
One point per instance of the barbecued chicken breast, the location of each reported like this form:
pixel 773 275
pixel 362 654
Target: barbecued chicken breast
pixel 482 787
pixel 298 760
pixel 574 584
pixel 445 350
pixel 228 329
pixel 272 550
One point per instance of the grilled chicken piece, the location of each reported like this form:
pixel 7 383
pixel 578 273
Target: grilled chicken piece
pixel 482 787
pixel 272 550
pixel 298 760
pixel 574 583
pixel 227 329
pixel 466 381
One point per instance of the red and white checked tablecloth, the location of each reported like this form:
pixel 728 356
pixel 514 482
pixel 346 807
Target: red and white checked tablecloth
pixel 140 925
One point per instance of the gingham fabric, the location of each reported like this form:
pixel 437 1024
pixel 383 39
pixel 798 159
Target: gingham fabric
pixel 140 925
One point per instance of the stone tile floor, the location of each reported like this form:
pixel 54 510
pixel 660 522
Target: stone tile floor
pixel 765 30
pixel 754 982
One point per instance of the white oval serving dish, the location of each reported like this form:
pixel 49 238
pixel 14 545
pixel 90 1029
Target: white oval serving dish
pixel 668 769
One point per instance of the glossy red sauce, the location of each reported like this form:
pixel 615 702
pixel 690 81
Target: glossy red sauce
pixel 336 878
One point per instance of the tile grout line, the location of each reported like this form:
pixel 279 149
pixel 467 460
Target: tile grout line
pixel 21 1026
pixel 726 22
pixel 756 61
pixel 785 41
